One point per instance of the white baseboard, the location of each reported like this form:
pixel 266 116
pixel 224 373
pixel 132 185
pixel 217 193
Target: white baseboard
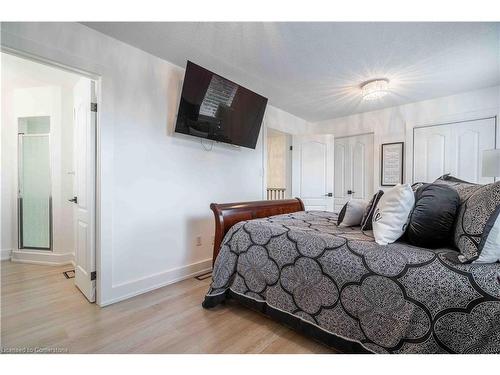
pixel 145 284
pixel 5 254
pixel 42 257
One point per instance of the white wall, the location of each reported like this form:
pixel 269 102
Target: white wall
pixel 156 186
pixel 55 102
pixel 396 124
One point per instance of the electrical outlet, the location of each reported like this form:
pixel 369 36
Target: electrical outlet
pixel 198 241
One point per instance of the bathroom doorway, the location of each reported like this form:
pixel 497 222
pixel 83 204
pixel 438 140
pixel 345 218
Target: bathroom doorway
pixel 49 127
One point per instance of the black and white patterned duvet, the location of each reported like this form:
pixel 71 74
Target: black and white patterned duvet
pixel 395 298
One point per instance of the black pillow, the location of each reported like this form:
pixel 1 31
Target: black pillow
pixel 366 222
pixel 431 221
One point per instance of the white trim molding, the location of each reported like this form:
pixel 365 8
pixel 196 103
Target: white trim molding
pixel 148 283
pixel 42 257
pixel 5 254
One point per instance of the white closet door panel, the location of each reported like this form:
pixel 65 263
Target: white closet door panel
pixel 341 185
pixel 435 156
pixel 432 150
pixel 358 167
pixel 471 139
pixel 419 156
pixel 467 156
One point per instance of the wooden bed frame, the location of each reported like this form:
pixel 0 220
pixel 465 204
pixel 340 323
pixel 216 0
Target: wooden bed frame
pixel 228 214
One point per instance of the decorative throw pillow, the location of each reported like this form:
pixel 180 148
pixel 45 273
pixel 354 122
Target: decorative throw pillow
pixel 431 221
pixel 476 225
pixel 392 212
pixel 490 240
pixel 464 189
pixel 366 221
pixel 352 213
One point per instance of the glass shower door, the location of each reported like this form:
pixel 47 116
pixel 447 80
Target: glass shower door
pixel 35 203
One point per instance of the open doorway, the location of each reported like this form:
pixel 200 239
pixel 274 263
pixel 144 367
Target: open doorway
pixel 48 168
pixel 279 165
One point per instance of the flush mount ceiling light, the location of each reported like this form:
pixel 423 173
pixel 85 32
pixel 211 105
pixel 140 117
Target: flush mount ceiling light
pixel 375 89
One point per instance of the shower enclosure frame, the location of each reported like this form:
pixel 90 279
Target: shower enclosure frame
pixel 20 186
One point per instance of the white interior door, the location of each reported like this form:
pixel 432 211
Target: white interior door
pixel 312 170
pixel 455 148
pixel 353 169
pixel 84 204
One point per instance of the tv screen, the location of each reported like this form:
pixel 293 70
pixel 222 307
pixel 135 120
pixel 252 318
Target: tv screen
pixel 216 108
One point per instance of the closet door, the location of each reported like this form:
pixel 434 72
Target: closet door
pixel 353 169
pixel 454 148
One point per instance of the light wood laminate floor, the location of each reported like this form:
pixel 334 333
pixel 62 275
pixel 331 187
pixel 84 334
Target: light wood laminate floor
pixel 40 308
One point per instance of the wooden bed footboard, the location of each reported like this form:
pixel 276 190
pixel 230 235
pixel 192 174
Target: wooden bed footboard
pixel 228 214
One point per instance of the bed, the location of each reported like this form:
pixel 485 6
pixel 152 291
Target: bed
pixel 338 286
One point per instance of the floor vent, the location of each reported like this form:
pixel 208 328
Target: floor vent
pixel 69 274
pixel 204 276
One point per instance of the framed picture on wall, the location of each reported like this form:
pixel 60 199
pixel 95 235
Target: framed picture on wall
pixel 392 161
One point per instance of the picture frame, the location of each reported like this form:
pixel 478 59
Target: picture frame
pixel 391 163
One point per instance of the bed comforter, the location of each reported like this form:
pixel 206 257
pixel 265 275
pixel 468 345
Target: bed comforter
pixel 339 283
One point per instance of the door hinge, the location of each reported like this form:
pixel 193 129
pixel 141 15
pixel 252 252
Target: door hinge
pixel 93 107
pixel 92 275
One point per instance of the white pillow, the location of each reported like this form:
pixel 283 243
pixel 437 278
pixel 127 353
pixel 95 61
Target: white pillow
pixel 392 212
pixel 352 213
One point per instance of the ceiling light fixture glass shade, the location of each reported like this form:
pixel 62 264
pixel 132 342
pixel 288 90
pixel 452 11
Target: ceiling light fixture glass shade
pixel 375 89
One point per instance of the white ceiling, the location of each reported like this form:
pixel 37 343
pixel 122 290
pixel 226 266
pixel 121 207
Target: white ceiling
pixel 314 70
pixel 18 73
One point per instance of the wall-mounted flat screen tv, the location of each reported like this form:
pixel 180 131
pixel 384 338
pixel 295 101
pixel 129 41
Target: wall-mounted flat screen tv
pixel 218 109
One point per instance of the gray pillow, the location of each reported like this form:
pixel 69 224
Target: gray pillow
pixel 352 213
pixel 475 219
pixel 464 189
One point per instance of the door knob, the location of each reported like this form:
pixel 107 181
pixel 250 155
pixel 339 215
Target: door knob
pixel 74 200
pixel 350 192
pixel 329 195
